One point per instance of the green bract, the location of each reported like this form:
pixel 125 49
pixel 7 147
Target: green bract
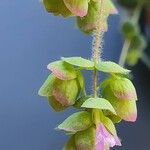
pixel 61 93
pixel 77 7
pixel 79 62
pixel 77 122
pixel 109 125
pixel 62 70
pixel 111 67
pixel 46 88
pixel 85 140
pixel 70 145
pixel 55 104
pixel 125 108
pixel 98 103
pixel 86 11
pixel 123 88
pixel 87 24
pixel 57 7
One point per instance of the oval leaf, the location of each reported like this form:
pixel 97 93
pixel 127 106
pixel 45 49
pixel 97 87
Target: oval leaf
pixel 111 67
pixel 62 70
pixel 98 103
pixel 79 62
pixel 77 122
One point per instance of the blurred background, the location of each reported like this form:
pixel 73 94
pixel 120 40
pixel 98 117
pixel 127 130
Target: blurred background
pixel 30 38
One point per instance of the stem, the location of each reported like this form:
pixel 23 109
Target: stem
pixel 97 39
pixel 97 47
pixel 124 52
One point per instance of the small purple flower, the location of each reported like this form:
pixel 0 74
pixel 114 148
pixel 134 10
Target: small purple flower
pixel 104 139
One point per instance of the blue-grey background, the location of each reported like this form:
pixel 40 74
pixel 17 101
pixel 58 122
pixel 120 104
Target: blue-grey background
pixel 30 39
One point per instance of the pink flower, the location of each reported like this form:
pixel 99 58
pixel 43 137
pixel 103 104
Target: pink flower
pixel 105 140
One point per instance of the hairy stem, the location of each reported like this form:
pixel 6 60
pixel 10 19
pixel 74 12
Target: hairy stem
pixel 96 49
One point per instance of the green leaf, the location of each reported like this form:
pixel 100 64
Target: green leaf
pixel 62 70
pixel 111 67
pixel 70 144
pixel 77 7
pixel 85 140
pixel 77 122
pixel 80 62
pixel 46 88
pixel 57 7
pixel 99 103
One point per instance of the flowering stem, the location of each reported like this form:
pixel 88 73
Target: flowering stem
pixel 124 52
pixel 96 49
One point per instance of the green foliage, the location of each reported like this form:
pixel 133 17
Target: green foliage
pixel 111 67
pixel 98 103
pixel 65 85
pixel 76 122
pixel 80 62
